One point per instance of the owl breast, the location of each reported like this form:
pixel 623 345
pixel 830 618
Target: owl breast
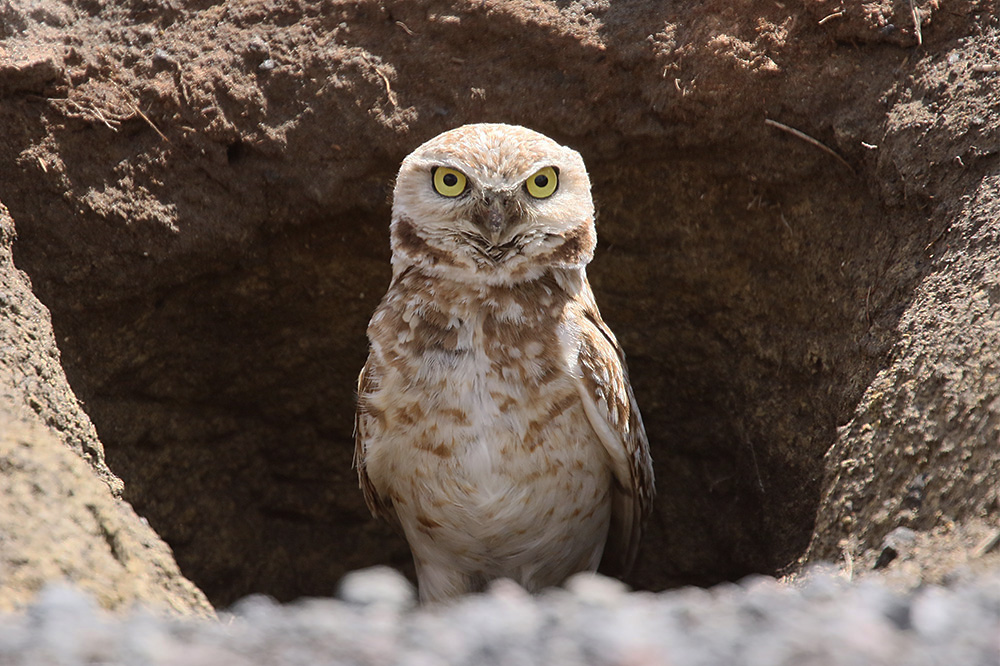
pixel 484 448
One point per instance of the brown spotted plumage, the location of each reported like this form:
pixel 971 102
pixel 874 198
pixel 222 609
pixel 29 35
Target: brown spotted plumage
pixel 495 421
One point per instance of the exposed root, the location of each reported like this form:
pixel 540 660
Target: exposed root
pixel 808 139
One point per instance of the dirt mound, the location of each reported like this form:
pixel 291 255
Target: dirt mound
pixel 57 519
pixel 795 214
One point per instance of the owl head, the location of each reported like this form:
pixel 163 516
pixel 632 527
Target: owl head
pixel 494 203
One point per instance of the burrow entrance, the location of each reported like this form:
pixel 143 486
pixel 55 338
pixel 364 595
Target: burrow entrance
pixel 747 297
pixel 210 281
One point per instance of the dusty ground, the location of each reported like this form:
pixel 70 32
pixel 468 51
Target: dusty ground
pixel 200 194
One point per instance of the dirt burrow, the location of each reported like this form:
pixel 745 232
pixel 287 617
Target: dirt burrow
pixel 201 199
pixel 58 519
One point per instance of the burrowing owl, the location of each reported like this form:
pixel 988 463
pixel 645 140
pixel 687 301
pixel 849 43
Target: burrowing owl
pixel 495 419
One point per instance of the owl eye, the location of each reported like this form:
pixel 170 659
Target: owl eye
pixel 448 182
pixel 543 183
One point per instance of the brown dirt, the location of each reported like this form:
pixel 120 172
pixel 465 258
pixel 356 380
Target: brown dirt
pixel 201 199
pixel 58 519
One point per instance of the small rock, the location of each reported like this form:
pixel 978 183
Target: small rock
pixel 258 46
pixel 901 538
pixel 896 543
pixel 596 588
pixel 886 557
pixel 254 605
pixel 382 586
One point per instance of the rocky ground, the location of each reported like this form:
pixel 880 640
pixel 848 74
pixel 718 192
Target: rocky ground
pixel 822 621
pixel 799 211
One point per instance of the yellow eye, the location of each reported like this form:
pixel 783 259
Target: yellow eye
pixel 448 182
pixel 543 183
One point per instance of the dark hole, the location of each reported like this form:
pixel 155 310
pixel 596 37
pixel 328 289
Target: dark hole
pixel 236 152
pixel 450 179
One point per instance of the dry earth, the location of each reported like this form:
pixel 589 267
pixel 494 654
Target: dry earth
pixel 200 196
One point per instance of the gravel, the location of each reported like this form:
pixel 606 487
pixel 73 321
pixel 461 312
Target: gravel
pixel 821 620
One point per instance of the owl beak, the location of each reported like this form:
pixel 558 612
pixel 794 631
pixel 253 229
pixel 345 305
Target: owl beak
pixel 495 221
pixel 494 216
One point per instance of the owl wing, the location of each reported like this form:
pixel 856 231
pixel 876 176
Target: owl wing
pixel 612 411
pixel 367 429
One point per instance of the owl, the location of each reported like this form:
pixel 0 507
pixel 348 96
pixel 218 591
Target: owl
pixel 495 421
